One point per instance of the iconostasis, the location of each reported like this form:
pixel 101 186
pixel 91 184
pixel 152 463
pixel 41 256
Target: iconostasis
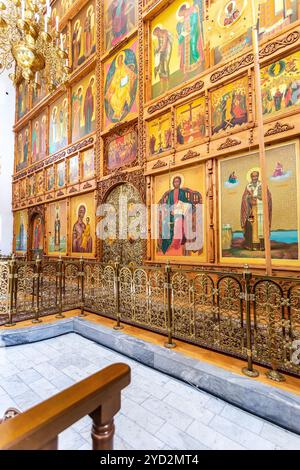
pixel 161 105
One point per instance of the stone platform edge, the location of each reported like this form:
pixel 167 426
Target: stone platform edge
pixel 275 405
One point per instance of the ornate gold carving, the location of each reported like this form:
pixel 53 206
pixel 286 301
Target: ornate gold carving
pixel 229 142
pixel 190 154
pixel 279 128
pixel 245 61
pixel 73 190
pixel 176 96
pixel 80 145
pixel 159 164
pixel 87 185
pixel 274 46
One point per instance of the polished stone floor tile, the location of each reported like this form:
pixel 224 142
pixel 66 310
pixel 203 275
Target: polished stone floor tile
pixel 157 412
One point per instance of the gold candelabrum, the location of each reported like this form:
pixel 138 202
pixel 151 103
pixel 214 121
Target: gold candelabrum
pixel 34 51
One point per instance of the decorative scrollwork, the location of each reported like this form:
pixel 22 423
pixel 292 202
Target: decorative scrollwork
pixel 274 46
pixel 49 287
pixel 72 285
pixel 4 286
pixel 184 92
pixel 203 301
pixel 230 312
pixel 268 326
pixel 181 306
pixel 140 296
pixel 126 291
pixel 245 61
pixel 229 142
pixel 279 128
pixel 190 154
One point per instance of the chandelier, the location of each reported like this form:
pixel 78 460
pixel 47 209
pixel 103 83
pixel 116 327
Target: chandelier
pixel 28 47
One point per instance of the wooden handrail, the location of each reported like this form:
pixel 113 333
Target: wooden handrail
pixel 98 396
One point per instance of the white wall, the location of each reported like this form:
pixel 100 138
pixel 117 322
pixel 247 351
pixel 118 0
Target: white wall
pixel 7 113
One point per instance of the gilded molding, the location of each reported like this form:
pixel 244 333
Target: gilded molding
pixel 176 96
pixel 159 164
pixel 190 154
pixel 245 61
pixel 274 46
pixel 279 128
pixel 229 143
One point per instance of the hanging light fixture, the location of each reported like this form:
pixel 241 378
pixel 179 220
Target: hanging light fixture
pixel 28 47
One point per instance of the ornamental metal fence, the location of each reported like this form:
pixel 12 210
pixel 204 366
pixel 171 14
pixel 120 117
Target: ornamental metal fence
pixel 252 317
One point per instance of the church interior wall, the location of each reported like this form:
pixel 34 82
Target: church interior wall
pixel 127 116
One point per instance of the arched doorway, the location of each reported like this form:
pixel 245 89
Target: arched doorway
pixel 129 249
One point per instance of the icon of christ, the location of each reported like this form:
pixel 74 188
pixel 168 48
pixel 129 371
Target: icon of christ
pixel 177 208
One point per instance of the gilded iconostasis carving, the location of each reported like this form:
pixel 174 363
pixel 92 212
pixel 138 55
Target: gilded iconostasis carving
pixel 161 106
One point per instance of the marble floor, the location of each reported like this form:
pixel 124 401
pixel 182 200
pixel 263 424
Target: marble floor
pixel 158 412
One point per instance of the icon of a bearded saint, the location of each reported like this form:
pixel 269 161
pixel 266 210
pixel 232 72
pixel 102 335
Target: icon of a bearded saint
pixel 232 13
pixel 120 91
pixel 176 205
pixel 252 213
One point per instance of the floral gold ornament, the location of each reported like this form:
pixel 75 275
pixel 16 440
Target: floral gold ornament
pixel 28 48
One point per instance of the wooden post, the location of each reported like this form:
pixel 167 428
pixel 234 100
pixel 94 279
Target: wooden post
pixel 103 428
pixel 261 140
pixel 37 290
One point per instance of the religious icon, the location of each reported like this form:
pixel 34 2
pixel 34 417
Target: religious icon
pixel 190 121
pixel 73 169
pixel 120 17
pixel 232 181
pixel 252 212
pixel 22 99
pixel 39 138
pixel 122 150
pixel 39 90
pixel 58 136
pixel 37 236
pixel 76 43
pixel 89 32
pixel 22 148
pixel 83 108
pixel 229 27
pixel 242 207
pixel 159 135
pixel 35 140
pixel 31 187
pixel 83 35
pixel 87 159
pixel 229 106
pixel 21 229
pixel 276 14
pixel 279 173
pixel 180 218
pixel 232 13
pixel 60 174
pixel 83 224
pixel 39 182
pixel 57 226
pixel 23 188
pixel 121 85
pixel 178 46
pixel 50 178
pixel 281 85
